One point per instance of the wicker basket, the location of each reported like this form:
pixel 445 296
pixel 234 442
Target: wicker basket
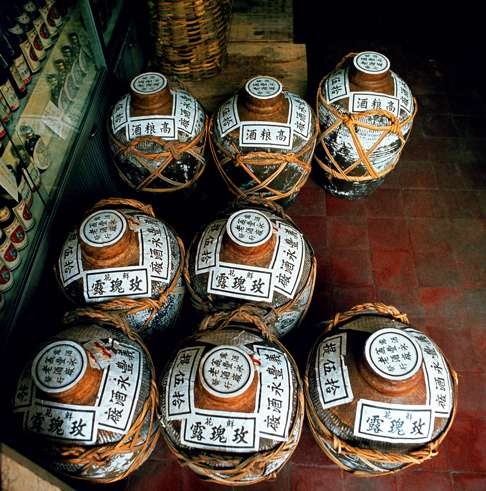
pixel 82 422
pixel 370 413
pixel 190 36
pixel 243 433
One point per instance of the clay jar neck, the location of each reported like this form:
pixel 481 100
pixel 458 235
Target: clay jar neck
pixel 261 103
pixel 391 362
pixel 157 101
pixel 120 250
pixel 363 81
pixel 80 388
pixel 257 256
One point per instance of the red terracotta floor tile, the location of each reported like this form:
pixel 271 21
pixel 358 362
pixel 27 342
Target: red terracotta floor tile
pixel 309 453
pixel 445 150
pixel 448 175
pixel 472 269
pixel 430 235
pixel 385 203
pixel 314 230
pixel 393 268
pixel 416 149
pixel 383 483
pixel 465 444
pixel 477 324
pixel 474 173
pixel 189 481
pixel 310 201
pixel 423 203
pixel 475 301
pixel 419 175
pixel 468 234
pixel 406 300
pixel 347 233
pixel 424 481
pixel 306 478
pixel 347 297
pixel 392 179
pixel 436 269
pixel 442 301
pixel 435 103
pixel 350 268
pixel 439 125
pixel 281 483
pixel 439 463
pixel 461 204
pixel 481 197
pixel 322 306
pixel 342 207
pixel 388 233
pixel 472 394
pixel 466 481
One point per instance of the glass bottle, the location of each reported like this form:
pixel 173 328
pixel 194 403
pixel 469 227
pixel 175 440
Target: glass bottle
pixel 40 26
pixel 29 169
pixel 20 210
pixel 10 224
pixel 8 253
pixel 7 90
pixel 27 25
pixel 6 277
pixel 48 19
pixel 17 32
pixel 35 147
pixel 13 75
pixel 54 86
pixel 10 49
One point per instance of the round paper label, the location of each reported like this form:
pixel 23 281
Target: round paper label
pixel 148 83
pixel 371 62
pixel 59 366
pixel 103 228
pixel 263 87
pixel 249 228
pixel 226 371
pixel 393 354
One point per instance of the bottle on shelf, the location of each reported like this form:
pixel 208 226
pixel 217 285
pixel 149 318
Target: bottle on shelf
pixel 32 11
pixel 6 65
pixel 48 17
pixel 54 13
pixel 35 147
pixel 26 163
pixel 27 25
pixel 6 277
pixel 18 36
pixel 8 253
pixel 55 87
pixel 10 50
pixel 7 90
pixel 3 131
pixel 5 113
pixel 10 224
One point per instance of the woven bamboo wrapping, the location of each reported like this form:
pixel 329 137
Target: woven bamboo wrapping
pixel 372 458
pixel 190 36
pixel 362 169
pixel 243 470
pixel 210 304
pixel 132 306
pixel 132 443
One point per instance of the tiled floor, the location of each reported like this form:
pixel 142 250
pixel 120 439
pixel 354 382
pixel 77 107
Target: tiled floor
pixel 418 243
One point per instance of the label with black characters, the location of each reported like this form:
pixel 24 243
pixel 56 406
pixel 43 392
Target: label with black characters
pixel 103 228
pixel 10 96
pixel 228 118
pixel 69 263
pixel 160 126
pixel 395 423
pixel 120 114
pixel 265 134
pixel 185 112
pixel 371 62
pixel 332 376
pixel 263 87
pixel 300 116
pixel 249 228
pixel 233 432
pixel 403 93
pixel 276 394
pixel 23 69
pixel 180 386
pixel 336 86
pixel 129 281
pixel 208 246
pixel 148 83
pixel 369 101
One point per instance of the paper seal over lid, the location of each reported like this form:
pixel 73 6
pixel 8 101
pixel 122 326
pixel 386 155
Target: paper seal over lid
pixel 378 388
pixel 89 388
pixel 157 135
pixel 232 397
pixel 252 254
pixel 122 257
pixel 366 112
pixel 262 140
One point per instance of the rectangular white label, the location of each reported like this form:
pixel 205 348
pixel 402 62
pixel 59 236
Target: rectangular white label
pixel 436 374
pixel 131 281
pixel 226 431
pixel 180 388
pixel 239 281
pixel 289 260
pixel 265 134
pixel 228 119
pixel 332 374
pixel 208 247
pixel 161 126
pixel 119 116
pixel 121 386
pixel 62 421
pixel 300 117
pixel 396 423
pixel 24 392
pixel 369 101
pixel 155 248
pixel 276 392
pixel 403 93
pixel 70 265
pixel 184 112
pixel 337 85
